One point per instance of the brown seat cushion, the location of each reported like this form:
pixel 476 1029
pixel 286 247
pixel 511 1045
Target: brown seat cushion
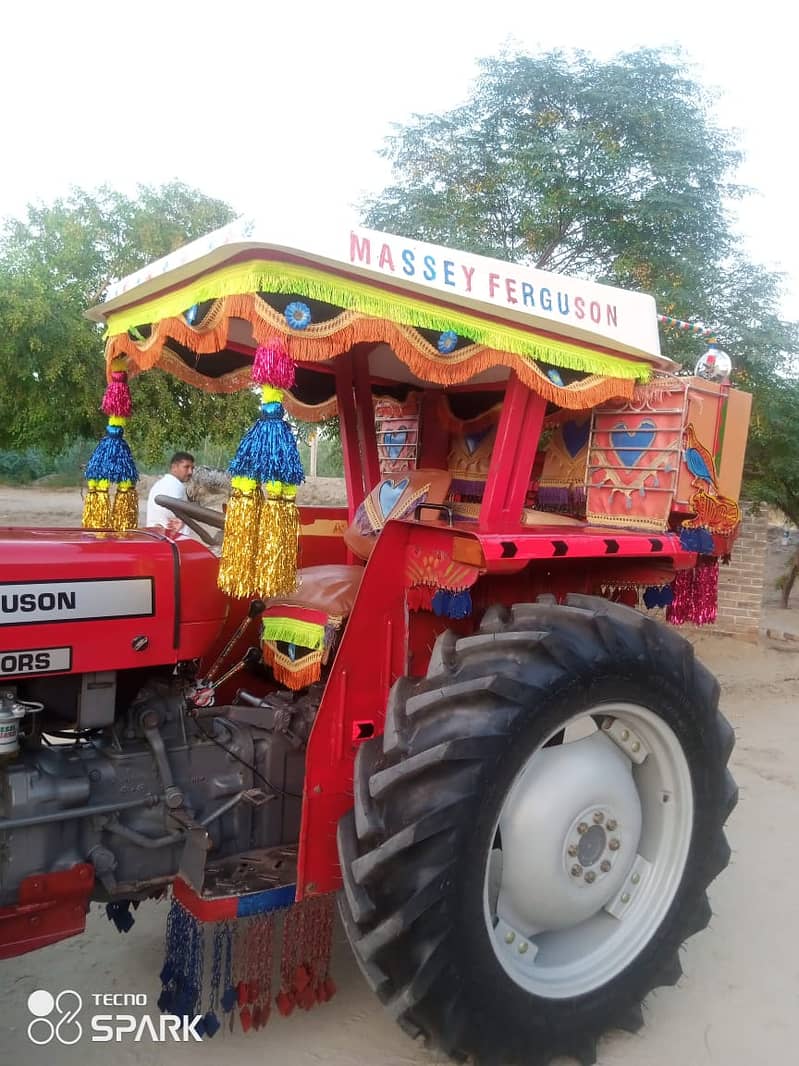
pixel 330 589
pixel 395 497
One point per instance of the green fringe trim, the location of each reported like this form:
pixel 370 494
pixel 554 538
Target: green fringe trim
pixel 292 631
pixel 288 278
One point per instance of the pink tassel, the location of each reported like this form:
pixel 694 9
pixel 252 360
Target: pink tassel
pixel 273 365
pixel 116 400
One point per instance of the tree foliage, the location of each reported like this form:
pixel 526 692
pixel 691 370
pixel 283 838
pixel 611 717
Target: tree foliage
pixel 614 171
pixel 54 264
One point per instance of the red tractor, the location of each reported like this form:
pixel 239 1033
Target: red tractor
pixel 463 714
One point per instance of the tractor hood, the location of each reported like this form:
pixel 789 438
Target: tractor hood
pixel 87 600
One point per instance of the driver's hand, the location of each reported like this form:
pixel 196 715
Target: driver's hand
pixel 174 525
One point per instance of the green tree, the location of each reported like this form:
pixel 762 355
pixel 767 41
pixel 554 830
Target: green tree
pixel 614 171
pixel 55 263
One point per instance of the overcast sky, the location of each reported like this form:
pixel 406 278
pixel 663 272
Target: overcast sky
pixel 280 108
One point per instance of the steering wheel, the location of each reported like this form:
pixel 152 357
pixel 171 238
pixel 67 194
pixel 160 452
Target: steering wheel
pixel 194 513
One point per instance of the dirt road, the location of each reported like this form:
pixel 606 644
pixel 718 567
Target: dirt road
pixel 736 1005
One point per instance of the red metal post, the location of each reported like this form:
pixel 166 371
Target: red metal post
pixel 433 433
pixel 370 463
pixel 353 469
pixel 518 434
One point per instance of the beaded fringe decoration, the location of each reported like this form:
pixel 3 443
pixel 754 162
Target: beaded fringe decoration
pixel 235 960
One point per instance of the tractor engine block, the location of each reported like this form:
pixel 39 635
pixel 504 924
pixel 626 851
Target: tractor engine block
pixel 124 796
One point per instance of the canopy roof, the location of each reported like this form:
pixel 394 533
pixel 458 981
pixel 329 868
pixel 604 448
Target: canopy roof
pixel 430 315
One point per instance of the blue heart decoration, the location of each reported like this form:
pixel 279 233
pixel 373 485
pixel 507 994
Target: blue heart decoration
pixel 395 442
pixel 631 444
pixel 575 436
pixel 474 440
pixel 389 493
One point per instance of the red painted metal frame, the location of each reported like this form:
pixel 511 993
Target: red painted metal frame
pixel 518 433
pixel 50 907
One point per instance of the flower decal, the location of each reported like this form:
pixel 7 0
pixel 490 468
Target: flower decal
pixel 298 315
pixel 448 341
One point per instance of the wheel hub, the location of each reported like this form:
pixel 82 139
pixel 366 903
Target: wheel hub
pixel 569 832
pixel 592 845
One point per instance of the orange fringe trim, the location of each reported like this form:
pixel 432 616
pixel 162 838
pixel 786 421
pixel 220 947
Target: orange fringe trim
pixel 291 674
pixel 349 329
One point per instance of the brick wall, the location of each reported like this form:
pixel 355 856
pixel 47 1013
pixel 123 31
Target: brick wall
pixel 741 583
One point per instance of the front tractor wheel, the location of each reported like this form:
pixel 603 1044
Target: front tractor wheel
pixel 534 833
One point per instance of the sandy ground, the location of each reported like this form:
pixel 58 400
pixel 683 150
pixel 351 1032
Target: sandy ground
pixel 737 1004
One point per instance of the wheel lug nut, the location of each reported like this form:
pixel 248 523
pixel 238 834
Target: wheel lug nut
pixel 604 866
pixel 572 850
pixel 599 817
pixel 625 897
pixel 510 936
pixel 635 878
pixel 636 746
pixel 590 877
pixel 576 870
pixel 614 845
pixel 612 823
pixel 625 734
pixel 523 947
pixel 582 828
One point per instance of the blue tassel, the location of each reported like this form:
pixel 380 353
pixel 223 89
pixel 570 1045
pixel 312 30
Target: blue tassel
pixel 441 602
pixel 112 459
pixel 460 605
pixel 268 451
pixel 697 540
pixel 658 597
pixel 211 1024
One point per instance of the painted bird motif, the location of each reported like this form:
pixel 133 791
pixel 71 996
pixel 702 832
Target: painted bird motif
pixel 699 460
pixel 714 512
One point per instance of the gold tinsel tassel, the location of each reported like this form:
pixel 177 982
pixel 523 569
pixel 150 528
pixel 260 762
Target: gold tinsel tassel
pixel 97 506
pixel 125 513
pixel 237 561
pixel 276 561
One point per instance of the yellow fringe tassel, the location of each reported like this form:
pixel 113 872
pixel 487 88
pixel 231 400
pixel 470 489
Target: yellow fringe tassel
pixel 125 512
pixel 97 507
pixel 278 535
pixel 239 545
pixel 294 675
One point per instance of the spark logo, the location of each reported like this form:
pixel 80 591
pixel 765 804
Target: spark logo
pixel 66 1029
pixel 55 1018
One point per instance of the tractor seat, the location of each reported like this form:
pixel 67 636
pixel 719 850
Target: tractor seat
pixel 329 589
pixel 300 630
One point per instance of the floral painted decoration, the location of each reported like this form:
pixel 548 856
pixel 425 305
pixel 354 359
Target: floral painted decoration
pixel 448 341
pixel 298 315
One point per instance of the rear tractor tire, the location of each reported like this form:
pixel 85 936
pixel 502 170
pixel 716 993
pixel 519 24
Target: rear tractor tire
pixel 534 833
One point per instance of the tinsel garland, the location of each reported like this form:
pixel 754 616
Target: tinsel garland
pixel 695 594
pixel 240 542
pixel 125 512
pixel 97 505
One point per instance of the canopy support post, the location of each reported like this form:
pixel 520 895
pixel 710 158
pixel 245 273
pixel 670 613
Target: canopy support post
pixel 516 444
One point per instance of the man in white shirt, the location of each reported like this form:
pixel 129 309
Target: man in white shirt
pixel 173 484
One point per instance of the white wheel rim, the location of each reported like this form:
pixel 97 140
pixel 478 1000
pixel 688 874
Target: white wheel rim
pixel 593 836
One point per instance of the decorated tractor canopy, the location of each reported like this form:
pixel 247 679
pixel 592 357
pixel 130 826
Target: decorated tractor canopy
pixel 540 400
pixel 452 701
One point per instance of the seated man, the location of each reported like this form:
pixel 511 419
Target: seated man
pixel 173 484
